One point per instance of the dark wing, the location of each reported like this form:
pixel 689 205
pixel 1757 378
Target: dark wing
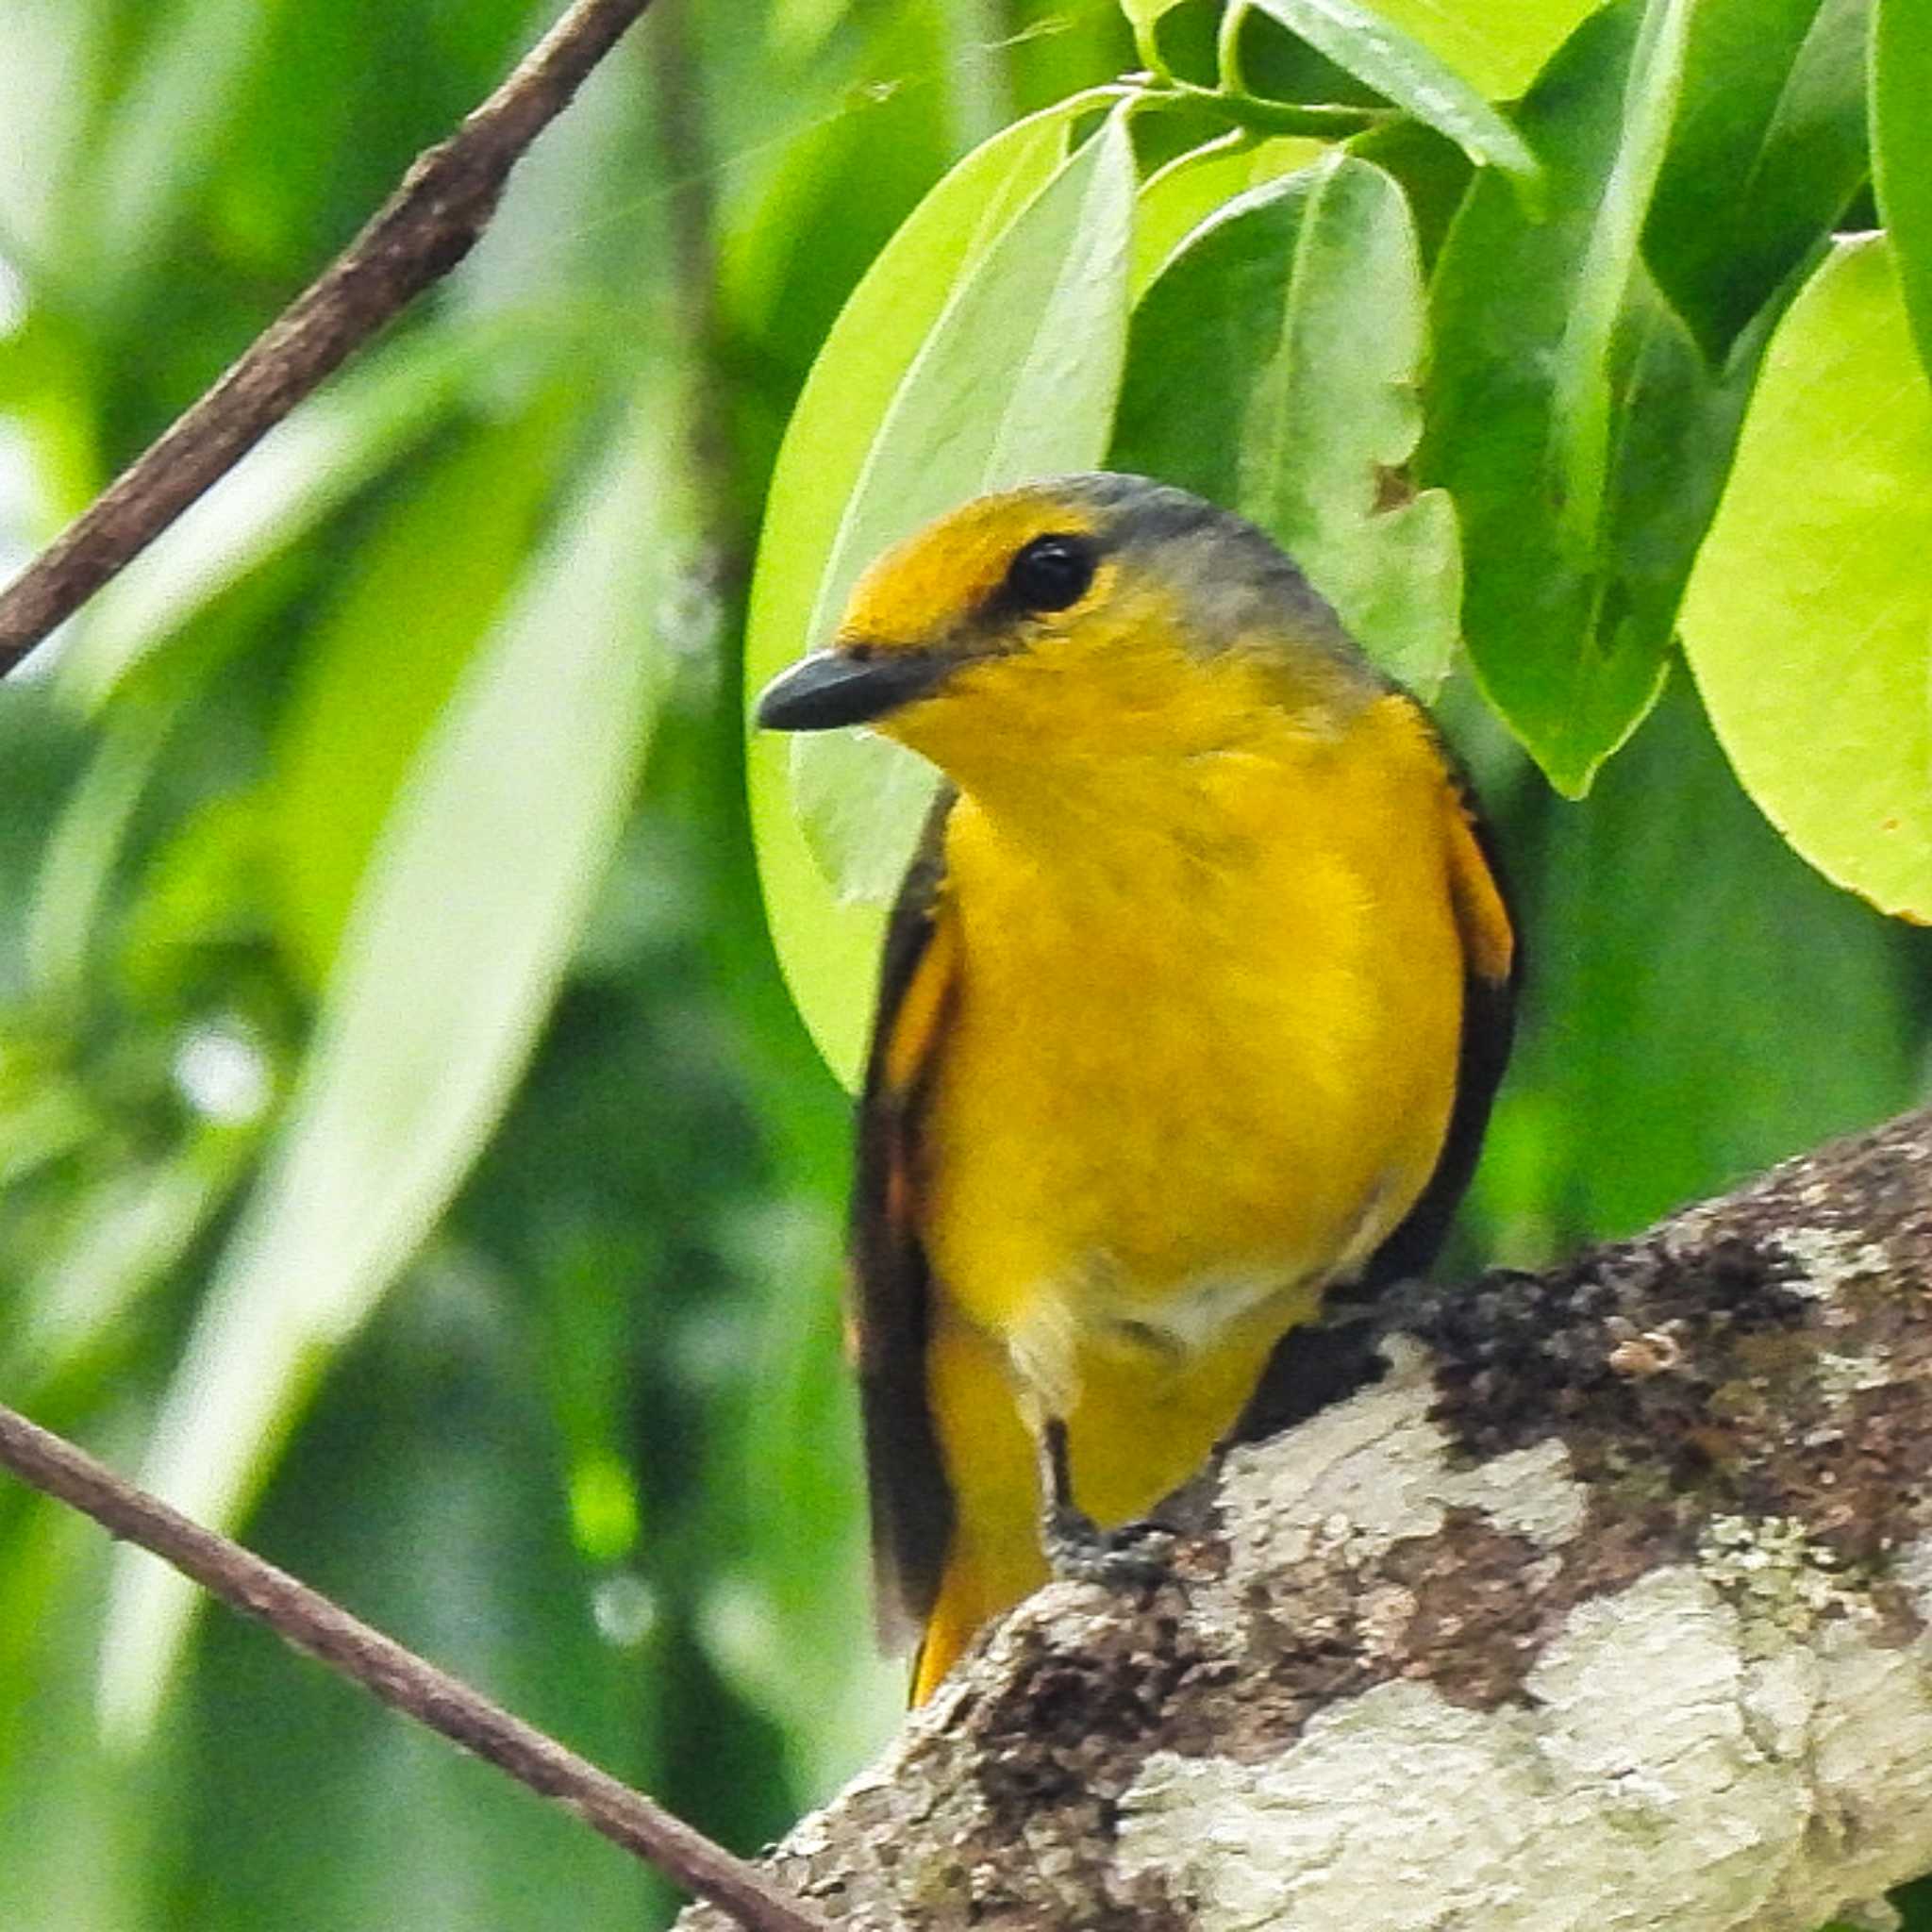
pixel 911 1500
pixel 1493 970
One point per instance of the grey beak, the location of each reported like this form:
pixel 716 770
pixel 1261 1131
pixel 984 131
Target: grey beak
pixel 833 688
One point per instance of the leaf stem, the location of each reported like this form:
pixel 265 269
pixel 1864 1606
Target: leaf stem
pixel 1228 48
pixel 1320 119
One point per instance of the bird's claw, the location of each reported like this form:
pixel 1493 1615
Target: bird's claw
pixel 1136 1555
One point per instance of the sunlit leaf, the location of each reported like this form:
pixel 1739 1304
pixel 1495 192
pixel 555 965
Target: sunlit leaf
pixel 1144 14
pixel 1809 622
pixel 1690 1052
pixel 134 1229
pixel 1496 47
pixel 1006 286
pixel 426 1492
pixel 297 475
pixel 381 663
pixel 1016 380
pixel 1406 72
pixel 1773 107
pixel 1902 151
pixel 1176 198
pixel 1272 368
pixel 455 945
pixel 164 132
pixel 1571 416
pixel 51 52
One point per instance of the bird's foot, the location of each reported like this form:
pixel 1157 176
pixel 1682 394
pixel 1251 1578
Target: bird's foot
pixel 1137 1556
pixel 1134 1556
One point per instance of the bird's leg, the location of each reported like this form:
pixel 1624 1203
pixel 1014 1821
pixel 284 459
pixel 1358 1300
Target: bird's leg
pixel 1078 1549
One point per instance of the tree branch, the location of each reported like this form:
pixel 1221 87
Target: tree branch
pixel 1609 1604
pixel 425 227
pixel 404 1681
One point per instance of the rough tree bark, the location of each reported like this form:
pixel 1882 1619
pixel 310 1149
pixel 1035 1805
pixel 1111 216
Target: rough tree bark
pixel 1607 1606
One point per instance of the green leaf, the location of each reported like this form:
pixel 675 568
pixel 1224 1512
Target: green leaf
pixel 1273 367
pixel 459 938
pixel 1497 46
pixel 425 1491
pixel 1809 622
pixel 1773 106
pixel 964 362
pixel 1176 198
pixel 1654 903
pixel 1408 72
pixel 171 119
pixel 1571 416
pixel 1902 151
pixel 298 475
pixel 378 668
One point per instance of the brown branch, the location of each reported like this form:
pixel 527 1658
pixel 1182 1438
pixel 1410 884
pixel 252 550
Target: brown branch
pixel 424 229
pixel 398 1677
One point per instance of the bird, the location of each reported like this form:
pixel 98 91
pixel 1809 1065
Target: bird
pixel 1191 1011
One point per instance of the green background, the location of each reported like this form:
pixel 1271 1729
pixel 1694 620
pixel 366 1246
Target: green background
pixel 392 817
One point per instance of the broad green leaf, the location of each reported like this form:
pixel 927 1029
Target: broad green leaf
pixel 799 27
pixel 1433 174
pixel 135 1227
pixel 983 347
pixel 1571 416
pixel 1272 368
pixel 1680 937
pixel 380 664
pixel 1408 72
pixel 1809 621
pixel 1773 106
pixel 168 123
pixel 459 936
pixel 1177 197
pixel 1497 46
pixel 1583 403
pixel 51 52
pixel 427 1493
pixel 1902 150
pixel 300 473
pixel 1016 380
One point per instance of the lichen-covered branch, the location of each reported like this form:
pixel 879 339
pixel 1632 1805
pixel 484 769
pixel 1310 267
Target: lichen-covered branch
pixel 1607 1606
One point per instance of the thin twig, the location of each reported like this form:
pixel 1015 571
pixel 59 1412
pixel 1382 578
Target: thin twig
pixel 406 1682
pixel 425 227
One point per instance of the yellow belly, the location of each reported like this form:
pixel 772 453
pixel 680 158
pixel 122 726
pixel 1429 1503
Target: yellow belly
pixel 1194 1075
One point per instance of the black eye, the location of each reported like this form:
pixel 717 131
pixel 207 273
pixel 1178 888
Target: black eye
pixel 1051 573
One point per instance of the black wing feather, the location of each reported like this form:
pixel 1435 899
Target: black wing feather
pixel 1489 1028
pixel 911 1498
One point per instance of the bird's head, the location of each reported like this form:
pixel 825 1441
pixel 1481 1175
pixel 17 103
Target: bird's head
pixel 1090 620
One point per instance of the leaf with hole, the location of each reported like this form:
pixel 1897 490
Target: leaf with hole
pixel 1274 368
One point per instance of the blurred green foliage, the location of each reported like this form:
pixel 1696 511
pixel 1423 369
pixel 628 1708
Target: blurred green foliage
pixel 408 1147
